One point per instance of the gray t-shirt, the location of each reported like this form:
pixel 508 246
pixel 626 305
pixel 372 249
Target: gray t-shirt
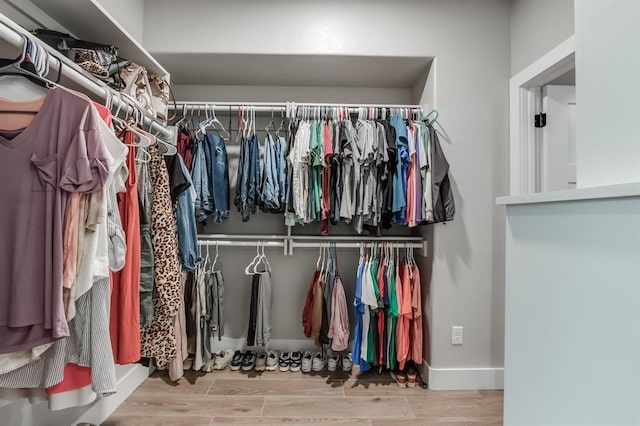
pixel 60 151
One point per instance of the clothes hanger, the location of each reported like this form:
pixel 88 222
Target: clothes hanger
pixel 429 120
pixel 263 259
pixel 247 270
pixel 215 259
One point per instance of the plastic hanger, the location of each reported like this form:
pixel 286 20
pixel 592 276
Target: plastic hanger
pixel 247 270
pixel 319 261
pixel 215 259
pixel 262 259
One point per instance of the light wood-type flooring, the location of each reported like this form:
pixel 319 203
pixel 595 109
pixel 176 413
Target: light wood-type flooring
pixel 274 397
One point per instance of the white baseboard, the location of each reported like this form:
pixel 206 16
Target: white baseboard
pixel 129 378
pixel 462 378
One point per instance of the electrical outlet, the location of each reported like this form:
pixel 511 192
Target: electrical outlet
pixel 457 335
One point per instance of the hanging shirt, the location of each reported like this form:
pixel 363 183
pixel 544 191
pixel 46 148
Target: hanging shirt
pixel 60 151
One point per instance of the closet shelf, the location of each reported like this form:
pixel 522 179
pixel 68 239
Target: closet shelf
pixel 88 20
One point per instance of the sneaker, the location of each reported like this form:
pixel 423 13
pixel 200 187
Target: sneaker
pixel 236 360
pixel 261 362
pixel 319 362
pixel 307 360
pixel 332 362
pixel 296 361
pixel 207 367
pixel 272 361
pixel 412 377
pixel 187 364
pixel 223 358
pixel 285 361
pixel 347 364
pixel 248 361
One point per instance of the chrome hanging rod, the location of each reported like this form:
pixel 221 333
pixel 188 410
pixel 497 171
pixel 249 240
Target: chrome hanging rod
pixel 272 106
pixel 14 35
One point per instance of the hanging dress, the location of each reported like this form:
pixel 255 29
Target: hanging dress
pixel 158 339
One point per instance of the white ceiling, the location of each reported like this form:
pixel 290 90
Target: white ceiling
pixel 294 70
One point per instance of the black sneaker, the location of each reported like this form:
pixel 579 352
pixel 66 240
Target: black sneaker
pixel 285 361
pixel 248 361
pixel 236 361
pixel 296 361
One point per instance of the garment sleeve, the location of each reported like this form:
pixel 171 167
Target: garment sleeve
pixel 86 165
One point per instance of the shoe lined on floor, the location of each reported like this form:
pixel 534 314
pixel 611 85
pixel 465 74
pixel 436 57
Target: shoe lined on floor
pixel 248 361
pixel 400 378
pixel 222 359
pixel 285 361
pixel 296 361
pixel 187 364
pixel 347 364
pixel 272 361
pixel 261 362
pixel 319 362
pixel 307 360
pixel 332 362
pixel 412 376
pixel 236 360
pixel 208 366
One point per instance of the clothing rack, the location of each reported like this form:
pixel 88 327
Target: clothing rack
pixel 291 242
pixel 266 107
pixel 14 35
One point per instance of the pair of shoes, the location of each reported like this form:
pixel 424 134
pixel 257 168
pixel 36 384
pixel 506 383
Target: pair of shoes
pixel 347 364
pixel 307 361
pixel 272 361
pixel 187 364
pixel 222 359
pixel 296 361
pixel 248 361
pixel 399 377
pixel 319 362
pixel 261 362
pixel 208 366
pixel 412 376
pixel 236 360
pixel 332 363
pixel 285 361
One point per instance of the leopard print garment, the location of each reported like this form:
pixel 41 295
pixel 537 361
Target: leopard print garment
pixel 159 339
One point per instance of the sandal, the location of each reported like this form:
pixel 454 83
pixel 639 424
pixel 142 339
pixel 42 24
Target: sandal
pixel 248 361
pixel 401 379
pixel 236 361
pixel 411 377
pixel 285 361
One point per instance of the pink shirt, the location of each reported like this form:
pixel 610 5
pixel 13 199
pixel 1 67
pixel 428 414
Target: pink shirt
pixel 59 152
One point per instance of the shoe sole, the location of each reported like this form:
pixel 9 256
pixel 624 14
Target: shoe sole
pixel 247 368
pixel 284 369
pixel 235 367
pixel 295 369
pixel 317 370
pixel 263 368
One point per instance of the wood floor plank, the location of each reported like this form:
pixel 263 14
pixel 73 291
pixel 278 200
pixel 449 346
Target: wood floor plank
pixel 154 403
pixel 434 422
pixel 193 382
pixel 378 388
pixel 459 406
pixel 288 420
pixel 128 420
pixel 266 387
pixel 347 407
pixel 253 375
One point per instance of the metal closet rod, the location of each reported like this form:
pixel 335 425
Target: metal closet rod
pixel 269 106
pixel 14 35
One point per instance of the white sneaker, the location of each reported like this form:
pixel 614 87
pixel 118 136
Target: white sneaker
pixel 332 363
pixel 222 359
pixel 307 360
pixel 261 362
pixel 347 364
pixel 272 361
pixel 319 362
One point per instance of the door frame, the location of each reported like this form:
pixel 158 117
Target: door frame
pixel 525 100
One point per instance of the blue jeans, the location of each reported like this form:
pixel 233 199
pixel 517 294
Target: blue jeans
pixel 242 186
pixel 200 182
pixel 269 199
pixel 186 223
pixel 218 176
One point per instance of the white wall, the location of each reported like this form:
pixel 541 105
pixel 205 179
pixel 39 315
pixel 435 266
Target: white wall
pixel 470 40
pixel 128 13
pixel 608 92
pixel 537 26
pixel 573 313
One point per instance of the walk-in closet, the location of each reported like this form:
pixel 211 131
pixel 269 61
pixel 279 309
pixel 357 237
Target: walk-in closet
pixel 267 212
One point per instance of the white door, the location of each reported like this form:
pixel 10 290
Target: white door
pixel 558 145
